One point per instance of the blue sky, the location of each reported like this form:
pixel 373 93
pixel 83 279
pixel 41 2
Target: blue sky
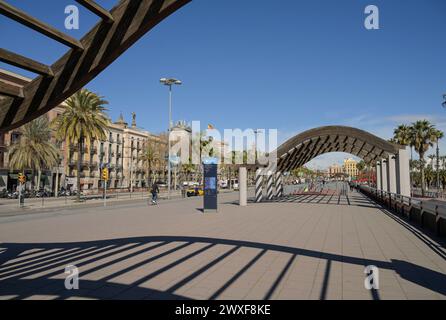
pixel 286 64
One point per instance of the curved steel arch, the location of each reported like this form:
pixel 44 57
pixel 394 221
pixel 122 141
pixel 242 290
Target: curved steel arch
pixel 118 30
pixel 307 145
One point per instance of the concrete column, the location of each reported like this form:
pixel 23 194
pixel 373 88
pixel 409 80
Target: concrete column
pixel 384 184
pixel 378 176
pixel 269 185
pixel 279 185
pixel 243 186
pixel 403 172
pixel 259 185
pixel 391 174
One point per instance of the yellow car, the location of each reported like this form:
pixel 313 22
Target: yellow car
pixel 196 191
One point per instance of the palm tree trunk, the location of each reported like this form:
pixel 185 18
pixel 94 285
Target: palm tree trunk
pixel 423 186
pixel 79 166
pixel 39 177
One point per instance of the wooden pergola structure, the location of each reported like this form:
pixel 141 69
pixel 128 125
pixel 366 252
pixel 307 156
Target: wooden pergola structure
pixel 117 30
pixel 307 145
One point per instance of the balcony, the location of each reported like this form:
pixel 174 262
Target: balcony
pixel 73 148
pixel 93 150
pixel 93 164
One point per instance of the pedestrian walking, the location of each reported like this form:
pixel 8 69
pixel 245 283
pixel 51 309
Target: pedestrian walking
pixel 154 191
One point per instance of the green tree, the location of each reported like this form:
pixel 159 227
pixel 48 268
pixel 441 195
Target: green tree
pixel 443 178
pixel 84 118
pixel 151 154
pixel 429 175
pixel 361 166
pixel 34 150
pixel 403 136
pixel 423 136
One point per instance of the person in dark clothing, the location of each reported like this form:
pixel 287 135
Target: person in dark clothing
pixel 154 191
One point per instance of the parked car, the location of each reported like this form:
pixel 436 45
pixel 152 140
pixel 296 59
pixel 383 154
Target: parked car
pixel 234 184
pixel 161 184
pixel 196 191
pixel 223 184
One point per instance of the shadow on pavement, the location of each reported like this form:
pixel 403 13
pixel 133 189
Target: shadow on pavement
pixel 32 269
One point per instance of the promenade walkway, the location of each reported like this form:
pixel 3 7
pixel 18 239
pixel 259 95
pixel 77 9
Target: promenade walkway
pixel 302 247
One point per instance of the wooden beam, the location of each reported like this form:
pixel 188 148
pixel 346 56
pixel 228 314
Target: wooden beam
pixel 103 44
pixel 37 25
pixel 25 63
pixel 11 90
pixel 96 9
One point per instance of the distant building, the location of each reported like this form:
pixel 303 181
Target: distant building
pixel 335 169
pixel 121 151
pixel 350 168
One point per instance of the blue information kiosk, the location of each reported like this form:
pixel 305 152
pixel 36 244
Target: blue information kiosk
pixel 210 185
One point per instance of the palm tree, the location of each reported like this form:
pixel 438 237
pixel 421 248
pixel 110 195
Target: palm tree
pixel 402 135
pixel 149 156
pixel 34 150
pixel 360 166
pixel 423 136
pixel 84 118
pixel 443 178
pixel 438 135
pixel 429 175
pixel 432 158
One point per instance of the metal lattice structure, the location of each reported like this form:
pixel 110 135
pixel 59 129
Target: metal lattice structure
pixel 118 30
pixel 307 145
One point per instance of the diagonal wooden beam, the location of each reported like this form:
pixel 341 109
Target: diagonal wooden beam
pixel 11 90
pixel 37 25
pixel 103 44
pixel 17 60
pixel 96 9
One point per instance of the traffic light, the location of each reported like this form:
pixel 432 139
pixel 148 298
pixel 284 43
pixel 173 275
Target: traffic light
pixel 22 178
pixel 105 174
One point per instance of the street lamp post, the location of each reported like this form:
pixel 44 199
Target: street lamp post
pixel 438 167
pixel 169 82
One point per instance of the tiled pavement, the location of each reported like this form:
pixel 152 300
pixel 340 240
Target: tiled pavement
pixel 305 247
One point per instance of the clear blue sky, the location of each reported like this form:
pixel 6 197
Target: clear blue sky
pixel 286 64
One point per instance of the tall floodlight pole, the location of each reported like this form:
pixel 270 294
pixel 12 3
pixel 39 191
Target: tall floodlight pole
pixel 169 82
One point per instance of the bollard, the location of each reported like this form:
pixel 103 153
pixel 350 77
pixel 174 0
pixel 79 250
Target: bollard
pixel 269 185
pixel 279 185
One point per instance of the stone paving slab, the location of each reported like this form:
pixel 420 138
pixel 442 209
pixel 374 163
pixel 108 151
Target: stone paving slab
pixel 301 247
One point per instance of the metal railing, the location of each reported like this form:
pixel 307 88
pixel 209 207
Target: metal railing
pixel 428 212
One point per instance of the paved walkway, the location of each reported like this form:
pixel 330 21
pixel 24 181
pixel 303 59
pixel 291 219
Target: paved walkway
pixel 307 247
